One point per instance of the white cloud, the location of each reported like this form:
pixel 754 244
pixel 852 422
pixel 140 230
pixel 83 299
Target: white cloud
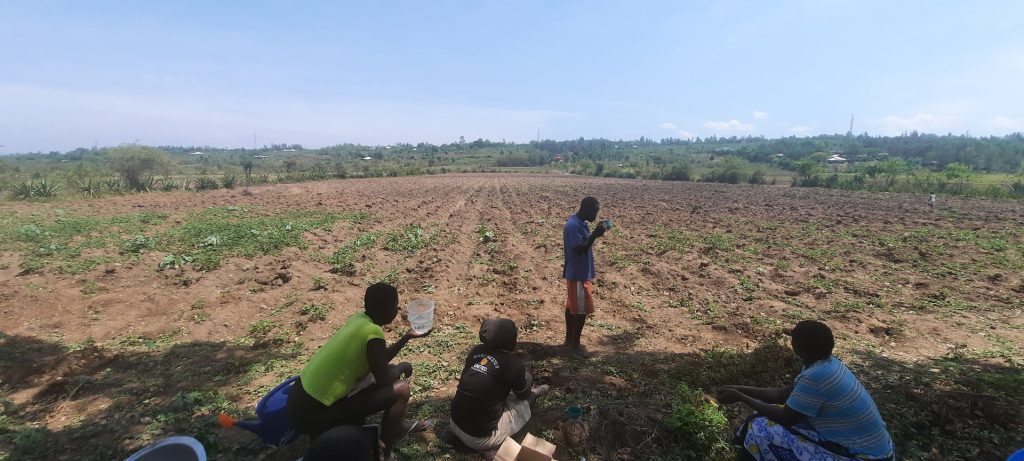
pixel 683 134
pixel 669 126
pixel 800 129
pixel 731 125
pixel 760 115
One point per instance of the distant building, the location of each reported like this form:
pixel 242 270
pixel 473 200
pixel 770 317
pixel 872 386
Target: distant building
pixel 558 159
pixel 367 158
pixel 260 157
pixel 195 153
pixel 835 159
pixel 288 150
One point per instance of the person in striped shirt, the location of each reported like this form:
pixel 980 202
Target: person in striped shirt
pixel 825 415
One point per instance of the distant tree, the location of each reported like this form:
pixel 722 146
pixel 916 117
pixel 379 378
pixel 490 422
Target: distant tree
pixel 247 165
pixel 134 161
pixel 289 165
pixel 958 172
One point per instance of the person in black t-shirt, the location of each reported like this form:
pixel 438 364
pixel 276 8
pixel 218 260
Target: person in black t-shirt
pixel 495 391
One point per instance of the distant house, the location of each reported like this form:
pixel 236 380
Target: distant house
pixel 260 157
pixel 288 150
pixel 835 159
pixel 558 159
pixel 195 153
pixel 367 158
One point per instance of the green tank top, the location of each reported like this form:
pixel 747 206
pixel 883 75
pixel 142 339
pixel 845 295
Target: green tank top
pixel 341 362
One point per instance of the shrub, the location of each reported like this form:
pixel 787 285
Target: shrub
pixel 698 423
pixel 133 161
pixel 205 183
pixel 228 181
pixel 33 189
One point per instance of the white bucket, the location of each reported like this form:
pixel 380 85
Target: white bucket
pixel 420 313
pixel 177 448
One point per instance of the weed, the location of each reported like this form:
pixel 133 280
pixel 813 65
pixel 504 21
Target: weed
pixel 698 423
pixel 343 260
pixel 319 284
pixel 845 307
pixel 428 289
pixel 289 300
pixel 717 243
pixel 215 233
pixel 198 304
pixel 316 312
pixel 262 328
pixel 408 239
pixel 485 234
pixel 619 260
pixel 90 287
pixel 136 244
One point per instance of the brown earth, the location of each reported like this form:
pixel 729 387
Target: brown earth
pixel 749 261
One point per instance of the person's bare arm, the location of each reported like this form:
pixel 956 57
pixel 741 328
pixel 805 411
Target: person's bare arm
pixel 776 395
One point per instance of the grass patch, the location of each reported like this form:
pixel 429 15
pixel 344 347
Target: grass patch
pixel 216 233
pixel 64 242
pixel 316 311
pixel 408 239
pixel 343 261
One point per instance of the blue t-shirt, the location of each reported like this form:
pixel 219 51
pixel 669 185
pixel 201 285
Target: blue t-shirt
pixel 578 267
pixel 840 409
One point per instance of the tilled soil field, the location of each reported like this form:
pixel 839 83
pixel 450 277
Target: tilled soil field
pixel 101 352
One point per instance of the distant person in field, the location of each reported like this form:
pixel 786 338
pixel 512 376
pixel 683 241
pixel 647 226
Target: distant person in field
pixel 825 415
pixel 578 271
pixel 931 201
pixel 495 391
pixel 350 378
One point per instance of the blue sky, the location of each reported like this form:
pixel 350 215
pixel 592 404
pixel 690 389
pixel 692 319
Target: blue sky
pixel 319 73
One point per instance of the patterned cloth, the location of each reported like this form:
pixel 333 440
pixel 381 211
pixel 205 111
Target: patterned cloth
pixel 839 408
pixel 767 440
pixel 579 297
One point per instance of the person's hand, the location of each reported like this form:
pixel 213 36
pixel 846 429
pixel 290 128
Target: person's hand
pixel 728 394
pixel 599 230
pixel 404 370
pixel 411 334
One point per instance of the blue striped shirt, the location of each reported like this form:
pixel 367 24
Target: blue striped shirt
pixel 840 409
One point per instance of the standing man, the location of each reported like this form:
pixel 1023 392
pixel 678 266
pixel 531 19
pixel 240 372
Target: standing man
pixel 578 272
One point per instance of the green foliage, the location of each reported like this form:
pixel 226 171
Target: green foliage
pixel 215 233
pixel 133 162
pixel 262 327
pixel 485 234
pixel 319 284
pixel 33 189
pixel 228 181
pixel 137 244
pixel 316 312
pixel 205 183
pixel 60 241
pixel 698 423
pixel 343 260
pixel 408 239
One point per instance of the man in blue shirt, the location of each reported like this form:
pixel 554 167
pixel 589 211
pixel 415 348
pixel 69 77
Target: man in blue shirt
pixel 825 415
pixel 578 271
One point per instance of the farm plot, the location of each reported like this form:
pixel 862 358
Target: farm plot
pixel 126 319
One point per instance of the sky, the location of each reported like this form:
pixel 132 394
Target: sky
pixel 239 74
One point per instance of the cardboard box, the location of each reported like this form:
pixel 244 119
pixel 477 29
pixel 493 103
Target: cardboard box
pixel 532 449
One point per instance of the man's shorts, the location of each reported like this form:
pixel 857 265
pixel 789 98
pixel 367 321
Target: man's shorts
pixel 513 419
pixel 579 299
